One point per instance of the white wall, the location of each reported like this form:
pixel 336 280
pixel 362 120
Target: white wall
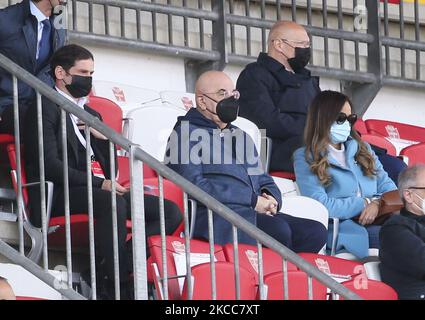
pixel 400 105
pixel 138 69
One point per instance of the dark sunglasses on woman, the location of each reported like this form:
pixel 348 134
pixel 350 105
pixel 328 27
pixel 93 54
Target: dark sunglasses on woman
pixel 352 118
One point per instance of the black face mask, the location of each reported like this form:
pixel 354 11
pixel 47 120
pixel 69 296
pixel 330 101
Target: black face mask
pixel 301 59
pixel 80 86
pixel 227 109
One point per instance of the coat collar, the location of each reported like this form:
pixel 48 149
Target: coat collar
pixel 404 212
pixel 351 147
pixel 283 76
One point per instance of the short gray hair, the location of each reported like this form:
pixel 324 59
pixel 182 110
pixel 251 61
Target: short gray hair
pixel 407 177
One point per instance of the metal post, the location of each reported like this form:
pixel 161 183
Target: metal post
pixel 66 197
pixel 236 262
pixel 90 214
pixel 187 246
pixel 18 164
pixel 138 227
pixel 212 256
pixel 44 222
pixel 114 222
pixel 261 271
pixel 163 238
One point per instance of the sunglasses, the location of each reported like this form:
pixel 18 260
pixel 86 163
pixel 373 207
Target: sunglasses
pixel 342 117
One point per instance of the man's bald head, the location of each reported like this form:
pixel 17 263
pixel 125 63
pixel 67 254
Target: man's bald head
pixel 209 91
pixel 284 37
pixel 287 30
pixel 212 81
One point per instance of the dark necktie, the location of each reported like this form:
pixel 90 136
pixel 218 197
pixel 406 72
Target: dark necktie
pixel 45 44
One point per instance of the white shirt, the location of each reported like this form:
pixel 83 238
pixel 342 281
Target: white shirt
pixel 80 102
pixel 40 18
pixel 338 155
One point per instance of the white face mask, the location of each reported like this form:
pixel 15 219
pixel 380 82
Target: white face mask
pixel 422 207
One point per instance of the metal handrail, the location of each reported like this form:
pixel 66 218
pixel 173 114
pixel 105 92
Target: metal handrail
pixel 166 172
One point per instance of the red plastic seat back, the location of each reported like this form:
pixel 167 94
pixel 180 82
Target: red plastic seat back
pixel 248 259
pixel 381 142
pixel 225 282
pixel 124 171
pixel 297 286
pixel 175 245
pixel 371 289
pixel 415 153
pixel 111 113
pixel 333 265
pixel 386 128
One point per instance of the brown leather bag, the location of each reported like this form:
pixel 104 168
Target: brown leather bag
pixel 390 203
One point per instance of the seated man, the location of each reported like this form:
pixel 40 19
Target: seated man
pixel 402 238
pixel 221 160
pixel 73 67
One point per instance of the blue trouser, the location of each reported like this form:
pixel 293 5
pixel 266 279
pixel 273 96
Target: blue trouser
pixel 373 232
pixel 392 165
pixel 299 235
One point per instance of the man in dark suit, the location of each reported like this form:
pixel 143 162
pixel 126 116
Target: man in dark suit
pixel 29 35
pixel 73 66
pixel 277 90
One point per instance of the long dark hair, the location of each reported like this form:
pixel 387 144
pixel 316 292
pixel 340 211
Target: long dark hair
pixel 321 115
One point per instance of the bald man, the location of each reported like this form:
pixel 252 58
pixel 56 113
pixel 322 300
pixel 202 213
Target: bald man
pixel 218 157
pixel 277 90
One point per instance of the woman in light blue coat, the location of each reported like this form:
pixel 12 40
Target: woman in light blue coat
pixel 339 170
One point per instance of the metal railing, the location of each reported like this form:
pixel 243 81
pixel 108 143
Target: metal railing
pixel 137 158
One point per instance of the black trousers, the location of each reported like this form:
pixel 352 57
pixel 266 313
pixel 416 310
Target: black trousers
pixel 102 212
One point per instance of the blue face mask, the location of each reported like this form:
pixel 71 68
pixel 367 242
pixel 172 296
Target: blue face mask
pixel 340 132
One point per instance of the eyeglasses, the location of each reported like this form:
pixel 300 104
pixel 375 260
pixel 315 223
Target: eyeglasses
pixel 342 117
pixel 224 94
pixel 302 44
pixel 418 188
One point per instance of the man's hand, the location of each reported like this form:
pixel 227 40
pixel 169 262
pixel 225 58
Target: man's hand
pixel 266 204
pixel 369 213
pixel 107 185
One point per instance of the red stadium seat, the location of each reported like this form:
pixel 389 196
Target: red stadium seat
pixel 112 116
pixel 360 126
pixel 283 174
pixel 297 286
pixel 111 113
pixel 371 289
pixel 272 262
pixel 334 266
pixel 175 245
pixel 390 128
pixel 414 154
pixel 225 282
pixel 381 142
pixel 6 139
